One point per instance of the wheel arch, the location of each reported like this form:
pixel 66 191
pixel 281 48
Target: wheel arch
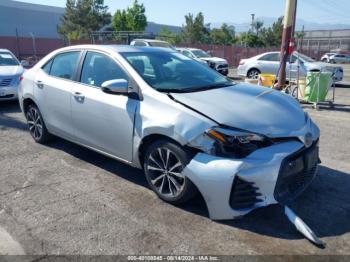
pixel 28 101
pixel 152 138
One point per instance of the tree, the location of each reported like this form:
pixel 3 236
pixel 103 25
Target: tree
pixel 131 19
pixel 166 35
pixel 272 36
pixel 195 31
pixel 258 25
pixel 119 21
pixel 223 36
pixel 251 40
pixel 82 17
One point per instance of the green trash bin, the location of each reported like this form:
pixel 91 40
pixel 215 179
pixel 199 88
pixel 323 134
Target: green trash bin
pixel 317 86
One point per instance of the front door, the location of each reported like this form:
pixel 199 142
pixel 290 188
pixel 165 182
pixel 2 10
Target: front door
pixel 103 121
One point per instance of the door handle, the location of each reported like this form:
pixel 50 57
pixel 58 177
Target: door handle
pixel 79 97
pixel 40 84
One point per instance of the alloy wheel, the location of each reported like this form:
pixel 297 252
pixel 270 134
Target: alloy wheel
pixel 253 74
pixel 35 123
pixel 164 169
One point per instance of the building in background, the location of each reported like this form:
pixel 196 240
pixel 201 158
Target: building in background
pixel 29 30
pixel 316 43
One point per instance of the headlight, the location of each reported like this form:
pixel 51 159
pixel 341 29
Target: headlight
pixel 236 143
pixel 211 64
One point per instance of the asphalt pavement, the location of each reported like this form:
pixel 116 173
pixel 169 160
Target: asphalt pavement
pixel 63 199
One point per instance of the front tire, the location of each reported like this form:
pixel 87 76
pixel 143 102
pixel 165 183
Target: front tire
pixel 36 125
pixel 164 162
pixel 253 74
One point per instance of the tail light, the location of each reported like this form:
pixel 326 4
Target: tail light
pixel 21 78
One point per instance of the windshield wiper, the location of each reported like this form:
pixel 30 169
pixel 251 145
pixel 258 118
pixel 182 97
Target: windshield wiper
pixel 171 90
pixel 195 89
pixel 208 87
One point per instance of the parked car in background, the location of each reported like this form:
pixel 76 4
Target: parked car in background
pixel 151 42
pixel 10 75
pixel 270 63
pixel 326 57
pixel 187 52
pixel 188 127
pixel 338 59
pixel 219 64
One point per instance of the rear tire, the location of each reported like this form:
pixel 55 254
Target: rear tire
pixel 164 162
pixel 36 125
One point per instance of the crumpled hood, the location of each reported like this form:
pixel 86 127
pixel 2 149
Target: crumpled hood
pixel 11 70
pixel 215 60
pixel 248 107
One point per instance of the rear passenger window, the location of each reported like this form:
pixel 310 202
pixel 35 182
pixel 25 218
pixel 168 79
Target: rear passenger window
pixel 99 68
pixel 64 65
pixel 47 67
pixel 270 57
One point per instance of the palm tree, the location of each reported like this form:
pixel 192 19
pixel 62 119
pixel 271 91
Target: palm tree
pixel 258 25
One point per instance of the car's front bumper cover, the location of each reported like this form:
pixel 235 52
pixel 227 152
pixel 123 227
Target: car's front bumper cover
pixel 214 177
pixel 8 93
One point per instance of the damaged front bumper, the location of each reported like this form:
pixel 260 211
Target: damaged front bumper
pixel 232 188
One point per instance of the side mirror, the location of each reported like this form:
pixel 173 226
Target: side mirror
pixel 25 63
pixel 116 86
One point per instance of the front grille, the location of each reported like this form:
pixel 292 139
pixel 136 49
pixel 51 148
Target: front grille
pixel 243 194
pixel 296 174
pixel 5 82
pixel 7 96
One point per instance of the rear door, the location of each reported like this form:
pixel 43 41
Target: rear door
pixel 52 89
pixel 103 121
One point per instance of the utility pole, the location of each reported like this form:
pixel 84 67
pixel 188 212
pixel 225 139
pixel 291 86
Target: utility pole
pixel 253 17
pixel 34 46
pixel 288 28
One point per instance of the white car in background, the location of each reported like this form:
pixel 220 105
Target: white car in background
pixel 326 57
pixel 10 75
pixel 338 59
pixel 270 63
pixel 151 43
pixel 217 63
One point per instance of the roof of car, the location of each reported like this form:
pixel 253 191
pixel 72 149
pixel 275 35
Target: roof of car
pixel 150 40
pixel 116 48
pixel 4 50
pixel 188 48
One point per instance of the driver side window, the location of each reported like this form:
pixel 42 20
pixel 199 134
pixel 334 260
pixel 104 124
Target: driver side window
pixel 98 68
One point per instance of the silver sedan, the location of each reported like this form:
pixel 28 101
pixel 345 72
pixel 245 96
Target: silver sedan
pixel 188 127
pixel 270 63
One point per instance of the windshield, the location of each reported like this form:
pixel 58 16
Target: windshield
pixel 7 59
pixel 174 72
pixel 160 44
pixel 200 53
pixel 305 58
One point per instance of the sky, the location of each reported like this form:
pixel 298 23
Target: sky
pixel 172 12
